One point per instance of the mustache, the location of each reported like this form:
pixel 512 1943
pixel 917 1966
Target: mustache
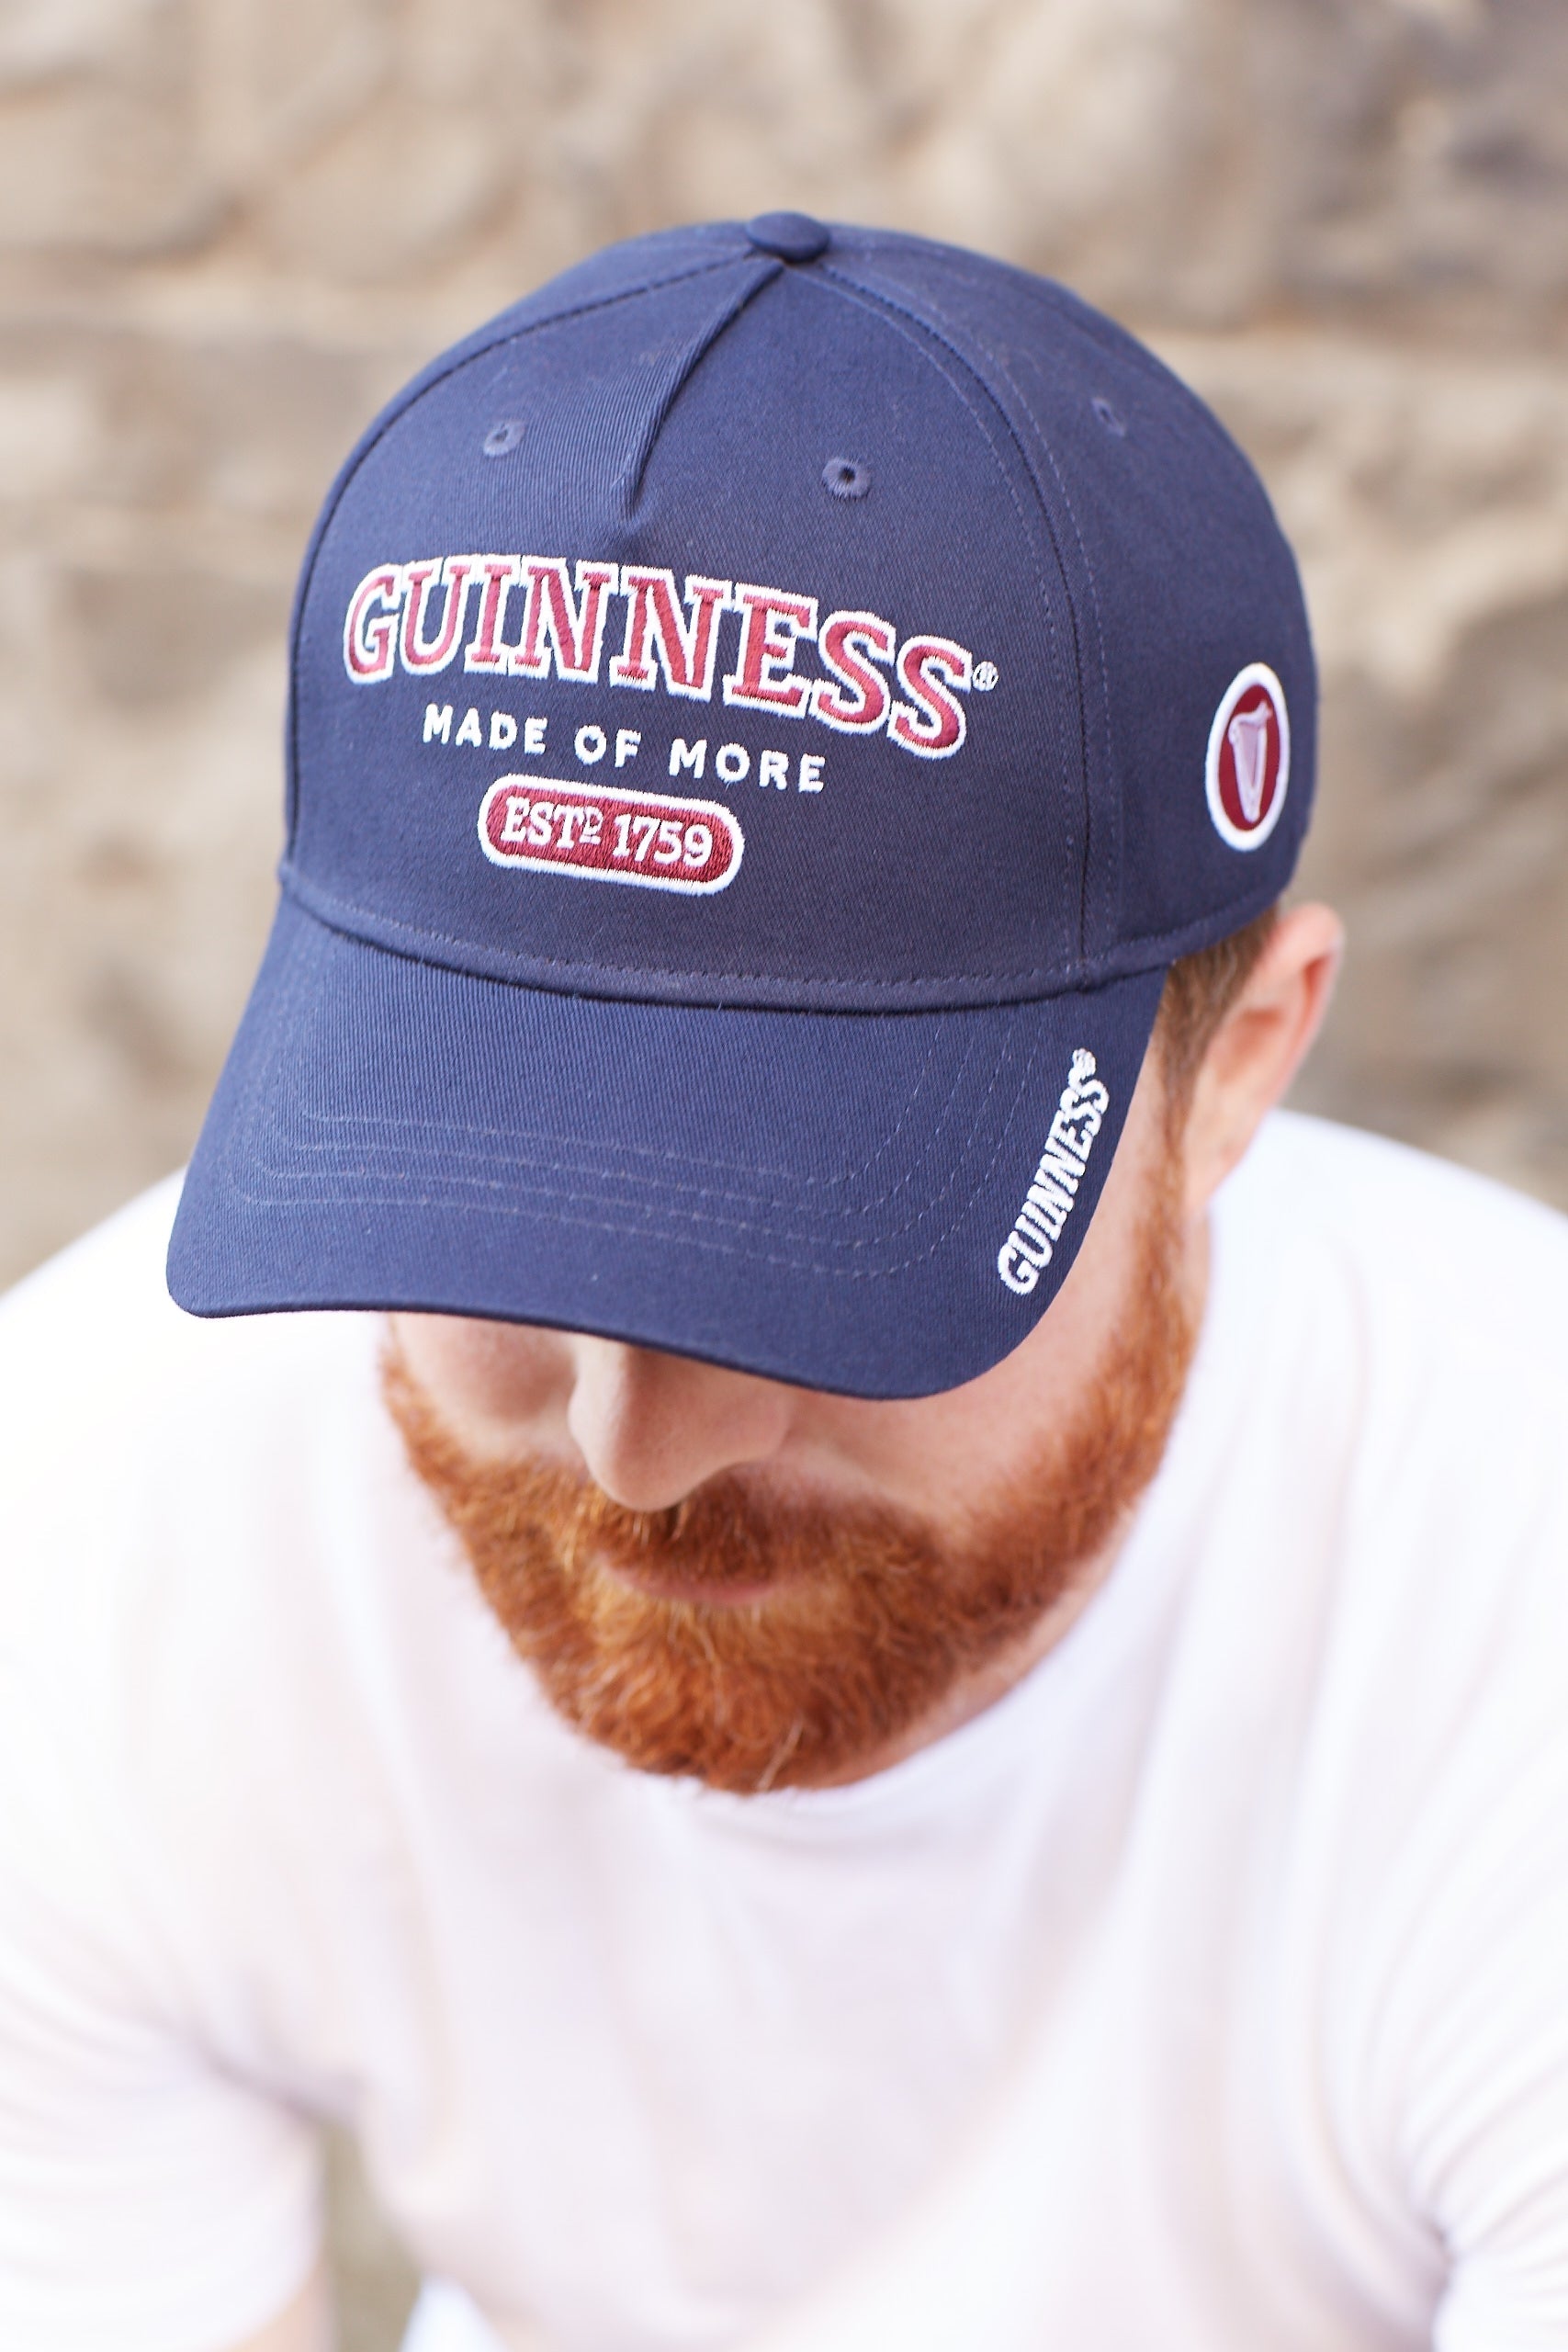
pixel 730 1533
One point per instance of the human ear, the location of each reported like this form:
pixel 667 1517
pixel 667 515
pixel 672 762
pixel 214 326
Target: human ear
pixel 1259 1045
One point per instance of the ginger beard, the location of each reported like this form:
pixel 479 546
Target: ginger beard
pixel 868 1619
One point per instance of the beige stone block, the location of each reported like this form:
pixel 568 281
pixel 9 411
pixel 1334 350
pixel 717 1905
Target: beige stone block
pixel 95 118
pixel 133 901
pixel 43 42
pixel 400 189
pixel 48 429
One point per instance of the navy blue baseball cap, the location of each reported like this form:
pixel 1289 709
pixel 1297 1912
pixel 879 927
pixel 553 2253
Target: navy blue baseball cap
pixel 765 713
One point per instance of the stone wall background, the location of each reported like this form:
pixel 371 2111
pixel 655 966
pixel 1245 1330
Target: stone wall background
pixel 228 228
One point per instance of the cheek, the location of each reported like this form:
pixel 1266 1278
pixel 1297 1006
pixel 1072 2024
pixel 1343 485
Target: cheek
pixel 492 1383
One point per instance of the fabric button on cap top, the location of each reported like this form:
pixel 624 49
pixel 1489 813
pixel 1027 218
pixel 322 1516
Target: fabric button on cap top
pixel 792 236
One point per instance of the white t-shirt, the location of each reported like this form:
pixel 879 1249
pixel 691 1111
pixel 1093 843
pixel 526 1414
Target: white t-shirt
pixel 1209 1993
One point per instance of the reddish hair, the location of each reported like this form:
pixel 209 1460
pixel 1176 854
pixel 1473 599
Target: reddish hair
pixel 1200 989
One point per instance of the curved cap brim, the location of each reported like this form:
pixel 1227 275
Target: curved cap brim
pixel 821 1198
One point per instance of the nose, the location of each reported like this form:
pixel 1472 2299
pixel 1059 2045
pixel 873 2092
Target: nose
pixel 652 1428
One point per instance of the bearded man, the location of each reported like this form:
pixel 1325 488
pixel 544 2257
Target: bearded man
pixel 848 1651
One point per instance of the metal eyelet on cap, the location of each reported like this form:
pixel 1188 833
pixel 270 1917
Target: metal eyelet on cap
pixel 845 479
pixel 503 438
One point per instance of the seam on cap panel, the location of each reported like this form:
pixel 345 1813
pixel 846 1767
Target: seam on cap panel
pixel 1071 309
pixel 725 317
pixel 1198 419
pixel 1158 375
pixel 947 339
pixel 1153 949
pixel 868 298
pixel 1007 374
pixel 871 298
pixel 995 360
pixel 401 406
pixel 943 334
pixel 323 906
pixel 1148 953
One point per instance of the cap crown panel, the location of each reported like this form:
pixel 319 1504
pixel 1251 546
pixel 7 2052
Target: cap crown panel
pixel 904 877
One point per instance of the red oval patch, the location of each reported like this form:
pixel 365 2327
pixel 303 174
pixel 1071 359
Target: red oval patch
pixel 646 838
pixel 1250 758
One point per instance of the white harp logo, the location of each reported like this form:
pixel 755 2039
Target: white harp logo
pixel 1248 735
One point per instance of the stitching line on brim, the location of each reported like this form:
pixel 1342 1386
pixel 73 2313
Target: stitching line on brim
pixel 693 1227
pixel 513 1141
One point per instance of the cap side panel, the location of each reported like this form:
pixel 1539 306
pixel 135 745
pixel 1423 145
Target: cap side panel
pixel 984 358
pixel 1188 574
pixel 1264 617
pixel 932 329
pixel 1103 809
pixel 955 265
